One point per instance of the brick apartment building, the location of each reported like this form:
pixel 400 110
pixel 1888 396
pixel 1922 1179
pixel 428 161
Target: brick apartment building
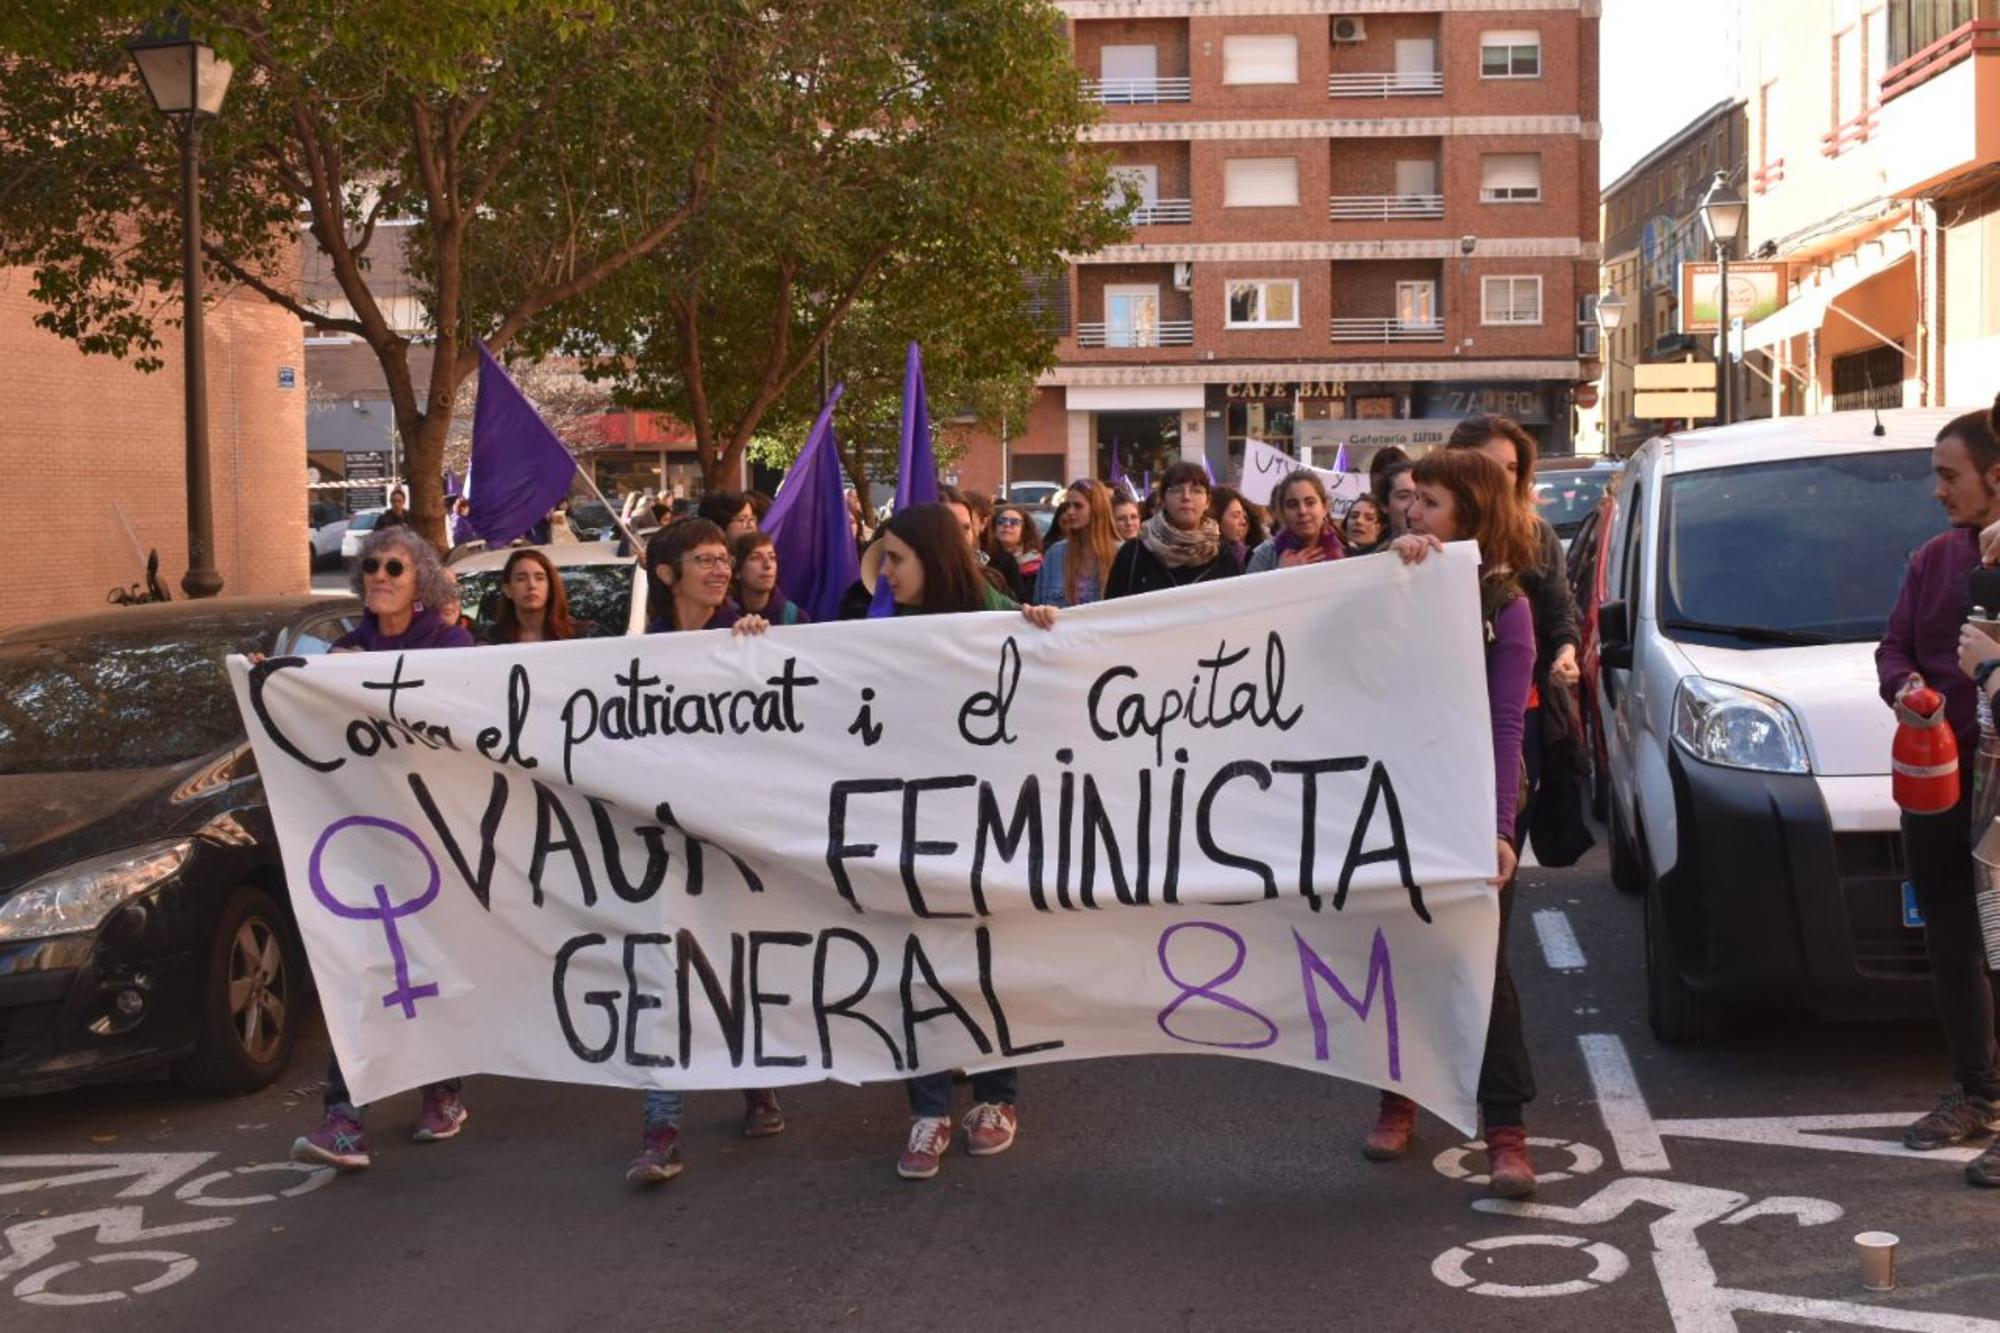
pixel 1358 221
pixel 94 455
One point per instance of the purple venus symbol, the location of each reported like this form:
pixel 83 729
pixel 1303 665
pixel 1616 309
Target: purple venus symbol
pixel 383 909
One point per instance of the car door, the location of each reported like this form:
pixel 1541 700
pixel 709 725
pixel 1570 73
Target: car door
pixel 1625 583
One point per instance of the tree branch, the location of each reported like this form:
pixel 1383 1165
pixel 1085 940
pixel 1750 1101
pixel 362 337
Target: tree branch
pixel 276 296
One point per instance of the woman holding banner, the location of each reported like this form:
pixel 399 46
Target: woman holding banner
pixel 1307 534
pixel 1464 496
pixel 931 571
pixel 688 570
pixel 1074 570
pixel 402 587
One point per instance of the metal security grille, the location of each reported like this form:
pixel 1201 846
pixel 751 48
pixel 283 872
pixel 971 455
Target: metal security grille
pixel 1873 378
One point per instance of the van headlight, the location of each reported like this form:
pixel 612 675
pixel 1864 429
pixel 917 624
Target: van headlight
pixel 1733 727
pixel 78 897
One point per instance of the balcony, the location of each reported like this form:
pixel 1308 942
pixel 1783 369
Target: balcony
pixel 1383 207
pixel 1165 333
pixel 1139 92
pixel 1427 83
pixel 1384 329
pixel 1164 212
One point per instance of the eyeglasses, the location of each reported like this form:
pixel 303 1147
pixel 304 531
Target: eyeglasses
pixel 1186 488
pixel 1010 521
pixel 392 567
pixel 705 563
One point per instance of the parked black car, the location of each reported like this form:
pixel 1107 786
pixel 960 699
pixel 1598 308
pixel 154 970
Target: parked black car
pixel 144 923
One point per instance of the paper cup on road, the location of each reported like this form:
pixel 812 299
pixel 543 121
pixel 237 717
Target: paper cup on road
pixel 1877 1252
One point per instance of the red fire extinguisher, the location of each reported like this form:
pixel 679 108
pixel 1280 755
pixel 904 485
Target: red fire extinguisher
pixel 1924 758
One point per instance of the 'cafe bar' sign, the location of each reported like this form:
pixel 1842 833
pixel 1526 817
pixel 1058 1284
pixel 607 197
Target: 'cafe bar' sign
pixel 1287 389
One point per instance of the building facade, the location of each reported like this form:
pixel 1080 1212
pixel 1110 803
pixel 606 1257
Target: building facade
pixel 1874 179
pixel 1356 222
pixel 1652 232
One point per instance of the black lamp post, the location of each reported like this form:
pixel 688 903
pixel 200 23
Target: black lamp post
pixel 1722 211
pixel 187 83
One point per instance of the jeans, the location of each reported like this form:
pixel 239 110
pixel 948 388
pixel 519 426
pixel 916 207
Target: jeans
pixel 663 1106
pixel 337 1096
pixel 930 1095
pixel 1938 851
pixel 1506 1079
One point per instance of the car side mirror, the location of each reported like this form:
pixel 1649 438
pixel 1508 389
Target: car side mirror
pixel 1614 635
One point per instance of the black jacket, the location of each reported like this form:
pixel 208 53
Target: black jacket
pixel 1549 597
pixel 1138 570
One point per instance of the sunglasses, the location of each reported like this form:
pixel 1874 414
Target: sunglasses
pixel 392 567
pixel 1009 522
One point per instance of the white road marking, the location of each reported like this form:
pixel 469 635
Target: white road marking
pixel 154 1171
pixel 1810 1131
pixel 1559 944
pixel 1608 1264
pixel 1583 1159
pixel 1621 1104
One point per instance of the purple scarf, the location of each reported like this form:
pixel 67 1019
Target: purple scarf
pixel 1330 545
pixel 427 630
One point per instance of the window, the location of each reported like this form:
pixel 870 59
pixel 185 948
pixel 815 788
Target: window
pixel 1260 182
pixel 1418 176
pixel 1770 140
pixel 1416 304
pixel 1510 55
pixel 1135 64
pixel 1848 76
pixel 1260 58
pixel 1140 184
pixel 1875 36
pixel 1263 303
pixel 1132 316
pixel 1510 178
pixel 1510 300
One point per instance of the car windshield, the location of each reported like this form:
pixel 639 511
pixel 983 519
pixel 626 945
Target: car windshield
pixel 1566 498
pixel 122 699
pixel 600 594
pixel 1802 551
pixel 363 522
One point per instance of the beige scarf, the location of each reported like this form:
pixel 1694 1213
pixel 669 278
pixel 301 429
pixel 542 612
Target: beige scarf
pixel 1177 549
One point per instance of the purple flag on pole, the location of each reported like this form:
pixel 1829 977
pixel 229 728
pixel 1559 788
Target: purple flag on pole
pixel 522 468
pixel 808 524
pixel 916 465
pixel 1340 458
pixel 1207 469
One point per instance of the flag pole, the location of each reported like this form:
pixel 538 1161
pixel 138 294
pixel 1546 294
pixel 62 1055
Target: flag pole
pixel 631 539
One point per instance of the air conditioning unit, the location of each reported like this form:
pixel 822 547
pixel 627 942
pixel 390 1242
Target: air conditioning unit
pixel 1350 29
pixel 1184 277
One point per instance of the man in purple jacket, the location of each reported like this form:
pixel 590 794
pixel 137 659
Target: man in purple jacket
pixel 1919 647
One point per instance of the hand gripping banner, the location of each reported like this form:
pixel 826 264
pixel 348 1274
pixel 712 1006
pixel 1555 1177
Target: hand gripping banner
pixel 1251 818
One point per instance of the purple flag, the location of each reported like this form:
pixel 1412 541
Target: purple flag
pixel 1209 470
pixel 916 465
pixel 1116 469
pixel 808 524
pixel 522 468
pixel 1340 458
pixel 451 487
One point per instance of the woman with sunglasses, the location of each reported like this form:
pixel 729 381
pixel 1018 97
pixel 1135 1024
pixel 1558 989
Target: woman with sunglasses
pixel 1016 534
pixel 755 590
pixel 402 588
pixel 1074 569
pixel 1307 533
pixel 534 607
pixel 688 569
pixel 1464 496
pixel 1179 545
pixel 930 570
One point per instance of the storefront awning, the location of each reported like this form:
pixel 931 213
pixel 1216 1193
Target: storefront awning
pixel 1808 310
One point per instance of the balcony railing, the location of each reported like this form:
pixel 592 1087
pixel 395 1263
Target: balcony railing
pixel 1428 83
pixel 1166 333
pixel 1848 133
pixel 1138 92
pixel 1162 212
pixel 1384 207
pixel 1370 329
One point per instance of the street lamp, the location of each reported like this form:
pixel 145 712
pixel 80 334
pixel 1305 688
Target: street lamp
pixel 186 82
pixel 1610 314
pixel 1722 211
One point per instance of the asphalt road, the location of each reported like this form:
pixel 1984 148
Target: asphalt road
pixel 1189 1193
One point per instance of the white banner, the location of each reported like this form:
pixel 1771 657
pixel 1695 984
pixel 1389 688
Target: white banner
pixel 1214 820
pixel 1264 467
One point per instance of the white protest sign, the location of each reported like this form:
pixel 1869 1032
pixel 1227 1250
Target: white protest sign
pixel 1211 820
pixel 1264 467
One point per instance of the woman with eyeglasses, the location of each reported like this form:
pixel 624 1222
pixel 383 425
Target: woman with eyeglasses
pixel 403 589
pixel 1240 522
pixel 1179 545
pixel 1074 569
pixel 755 590
pixel 1464 496
pixel 930 569
pixel 534 606
pixel 688 569
pixel 1307 533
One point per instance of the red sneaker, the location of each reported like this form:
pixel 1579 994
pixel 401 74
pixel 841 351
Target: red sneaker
pixel 1394 1124
pixel 930 1136
pixel 1513 1173
pixel 761 1116
pixel 990 1128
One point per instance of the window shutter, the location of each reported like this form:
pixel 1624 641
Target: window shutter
pixel 1131 62
pixel 1260 58
pixel 1260 182
pixel 1510 175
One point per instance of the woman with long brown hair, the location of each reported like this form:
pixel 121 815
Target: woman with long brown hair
pixel 1075 569
pixel 534 607
pixel 1464 496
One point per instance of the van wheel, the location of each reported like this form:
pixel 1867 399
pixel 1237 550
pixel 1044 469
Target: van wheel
pixel 1627 875
pixel 1678 1015
pixel 250 1002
